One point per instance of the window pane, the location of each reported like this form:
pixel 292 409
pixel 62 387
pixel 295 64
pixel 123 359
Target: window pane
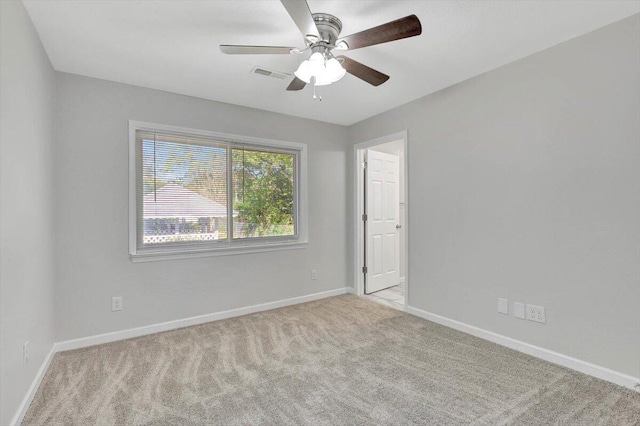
pixel 263 193
pixel 184 190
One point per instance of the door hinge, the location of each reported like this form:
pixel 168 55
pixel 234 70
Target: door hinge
pixel 364 165
pixel 364 269
pixel 364 217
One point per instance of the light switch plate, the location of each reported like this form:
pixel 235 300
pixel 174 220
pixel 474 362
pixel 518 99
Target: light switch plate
pixel 503 306
pixel 25 353
pixel 518 310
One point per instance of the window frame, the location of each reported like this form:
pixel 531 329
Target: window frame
pixel 140 253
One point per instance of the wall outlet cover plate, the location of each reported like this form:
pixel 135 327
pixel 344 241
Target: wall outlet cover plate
pixel 116 304
pixel 536 313
pixel 518 310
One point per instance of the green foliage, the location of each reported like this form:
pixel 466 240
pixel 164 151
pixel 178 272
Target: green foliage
pixel 263 190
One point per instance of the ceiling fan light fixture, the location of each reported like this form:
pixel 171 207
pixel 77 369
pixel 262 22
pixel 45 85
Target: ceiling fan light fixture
pixel 322 80
pixel 325 72
pixel 316 64
pixel 334 70
pixel 304 72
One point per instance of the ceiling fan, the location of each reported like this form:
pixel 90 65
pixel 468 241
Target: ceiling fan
pixel 321 33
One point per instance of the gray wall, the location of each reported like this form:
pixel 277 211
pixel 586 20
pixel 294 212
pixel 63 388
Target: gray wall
pixel 93 264
pixel 524 183
pixel 27 84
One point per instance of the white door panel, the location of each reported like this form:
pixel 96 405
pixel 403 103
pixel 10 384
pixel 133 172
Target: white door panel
pixel 376 192
pixel 377 255
pixel 382 206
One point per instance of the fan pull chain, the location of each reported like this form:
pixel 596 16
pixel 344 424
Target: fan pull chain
pixel 319 95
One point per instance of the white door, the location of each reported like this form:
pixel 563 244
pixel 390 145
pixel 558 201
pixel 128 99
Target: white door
pixel 383 211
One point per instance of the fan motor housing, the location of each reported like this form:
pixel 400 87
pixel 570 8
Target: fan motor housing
pixel 328 26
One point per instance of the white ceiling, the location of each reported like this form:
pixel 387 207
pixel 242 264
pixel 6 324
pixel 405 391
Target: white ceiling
pixel 173 46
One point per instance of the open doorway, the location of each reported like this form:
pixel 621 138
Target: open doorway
pixel 381 213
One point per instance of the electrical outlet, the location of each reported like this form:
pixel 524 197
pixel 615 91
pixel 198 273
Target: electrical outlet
pixel 314 274
pixel 503 306
pixel 518 310
pixel 25 352
pixel 536 313
pixel 116 303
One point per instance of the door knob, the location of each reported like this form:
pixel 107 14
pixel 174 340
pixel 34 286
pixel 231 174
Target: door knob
pixel 398 226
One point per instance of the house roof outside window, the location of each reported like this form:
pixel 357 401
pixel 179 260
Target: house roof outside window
pixel 175 201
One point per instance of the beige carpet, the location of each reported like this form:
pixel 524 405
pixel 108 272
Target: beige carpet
pixel 337 361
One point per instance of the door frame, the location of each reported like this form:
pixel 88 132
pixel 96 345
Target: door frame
pixel 359 151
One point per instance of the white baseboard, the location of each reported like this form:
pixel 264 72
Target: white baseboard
pixel 536 351
pixel 31 392
pixel 186 322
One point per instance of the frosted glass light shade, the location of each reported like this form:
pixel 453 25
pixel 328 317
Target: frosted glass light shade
pixel 324 72
pixel 323 80
pixel 316 64
pixel 304 72
pixel 334 70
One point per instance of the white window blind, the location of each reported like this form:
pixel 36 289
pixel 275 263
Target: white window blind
pixel 184 189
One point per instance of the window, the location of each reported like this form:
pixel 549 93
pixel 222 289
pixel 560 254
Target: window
pixel 195 193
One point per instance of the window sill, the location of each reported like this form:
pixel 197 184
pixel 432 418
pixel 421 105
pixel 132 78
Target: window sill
pixel 155 255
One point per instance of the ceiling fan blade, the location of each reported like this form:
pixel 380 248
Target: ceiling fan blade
pixel 409 26
pixel 363 72
pixel 235 49
pixel 301 15
pixel 296 84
